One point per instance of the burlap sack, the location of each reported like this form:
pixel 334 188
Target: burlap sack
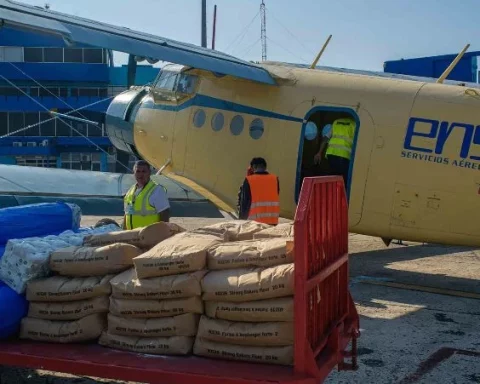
pixel 280 230
pixel 176 345
pixel 61 288
pixel 239 333
pixel 93 261
pixel 73 310
pixel 85 329
pixel 182 325
pixel 144 238
pixel 252 311
pixel 247 284
pixel 185 252
pixel 128 286
pixel 155 308
pixel 236 230
pixel 250 253
pixel 270 355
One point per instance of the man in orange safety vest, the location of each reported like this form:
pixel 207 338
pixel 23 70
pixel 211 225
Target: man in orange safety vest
pixel 259 197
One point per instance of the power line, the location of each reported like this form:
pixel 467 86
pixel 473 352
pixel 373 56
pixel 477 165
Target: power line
pixel 286 49
pixel 245 52
pixel 290 32
pixel 243 32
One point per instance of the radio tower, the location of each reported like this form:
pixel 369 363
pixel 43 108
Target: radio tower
pixel 263 34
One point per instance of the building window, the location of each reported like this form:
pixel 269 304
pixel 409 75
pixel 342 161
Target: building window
pixel 93 55
pixel 11 91
pixel 3 123
pixel 16 121
pixel 48 92
pixel 256 129
pixel 47 128
pixel 63 127
pixel 73 55
pixel 88 92
pixel 33 55
pixel 53 55
pixel 11 54
pixel 34 92
pixel 31 118
pixel 236 126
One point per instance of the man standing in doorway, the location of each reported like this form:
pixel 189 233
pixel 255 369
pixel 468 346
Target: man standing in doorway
pixel 339 150
pixel 259 197
pixel 146 202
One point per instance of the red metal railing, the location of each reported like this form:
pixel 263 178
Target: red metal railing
pixel 326 320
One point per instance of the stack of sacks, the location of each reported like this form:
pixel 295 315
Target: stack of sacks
pixel 144 238
pixel 25 260
pixel 280 230
pixel 248 296
pixel 73 306
pixel 236 230
pixel 155 307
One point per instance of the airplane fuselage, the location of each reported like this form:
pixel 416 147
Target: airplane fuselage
pixel 415 168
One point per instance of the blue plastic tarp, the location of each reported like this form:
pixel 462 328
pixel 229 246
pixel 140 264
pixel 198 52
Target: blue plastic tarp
pixel 13 307
pixel 37 220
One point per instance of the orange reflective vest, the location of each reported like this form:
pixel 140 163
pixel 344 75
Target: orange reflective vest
pixel 265 202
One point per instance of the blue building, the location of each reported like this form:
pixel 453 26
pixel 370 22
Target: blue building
pixel 465 70
pixel 39 73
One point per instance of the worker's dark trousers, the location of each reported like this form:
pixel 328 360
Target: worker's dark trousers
pixel 339 166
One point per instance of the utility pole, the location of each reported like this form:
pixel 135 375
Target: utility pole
pixel 204 23
pixel 263 34
pixel 214 25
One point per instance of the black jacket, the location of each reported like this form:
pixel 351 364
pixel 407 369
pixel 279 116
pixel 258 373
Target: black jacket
pixel 245 197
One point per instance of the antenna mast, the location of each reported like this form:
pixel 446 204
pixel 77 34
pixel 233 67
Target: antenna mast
pixel 263 35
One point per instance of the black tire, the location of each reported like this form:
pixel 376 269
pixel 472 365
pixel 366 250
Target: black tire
pixel 106 221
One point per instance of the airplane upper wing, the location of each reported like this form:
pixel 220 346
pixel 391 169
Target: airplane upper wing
pixel 74 29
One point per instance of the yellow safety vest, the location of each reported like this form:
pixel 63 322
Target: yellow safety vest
pixel 138 211
pixel 340 144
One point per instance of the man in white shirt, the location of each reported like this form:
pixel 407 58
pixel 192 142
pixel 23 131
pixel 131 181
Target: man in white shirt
pixel 146 202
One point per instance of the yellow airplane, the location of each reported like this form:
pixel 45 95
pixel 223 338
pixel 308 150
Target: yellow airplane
pixel 415 167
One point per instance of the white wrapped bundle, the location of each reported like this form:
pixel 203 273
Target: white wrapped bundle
pixel 27 259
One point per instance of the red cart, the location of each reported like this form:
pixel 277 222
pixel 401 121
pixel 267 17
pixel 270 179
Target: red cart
pixel 326 320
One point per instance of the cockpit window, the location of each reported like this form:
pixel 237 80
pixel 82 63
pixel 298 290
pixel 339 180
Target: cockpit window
pixel 176 82
pixel 166 81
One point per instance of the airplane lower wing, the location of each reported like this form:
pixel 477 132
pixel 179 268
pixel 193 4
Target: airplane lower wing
pixel 97 193
pixel 79 30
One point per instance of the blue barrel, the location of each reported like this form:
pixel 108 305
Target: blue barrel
pixel 13 308
pixel 37 220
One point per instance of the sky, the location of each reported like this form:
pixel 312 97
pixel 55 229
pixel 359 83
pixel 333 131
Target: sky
pixel 366 33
